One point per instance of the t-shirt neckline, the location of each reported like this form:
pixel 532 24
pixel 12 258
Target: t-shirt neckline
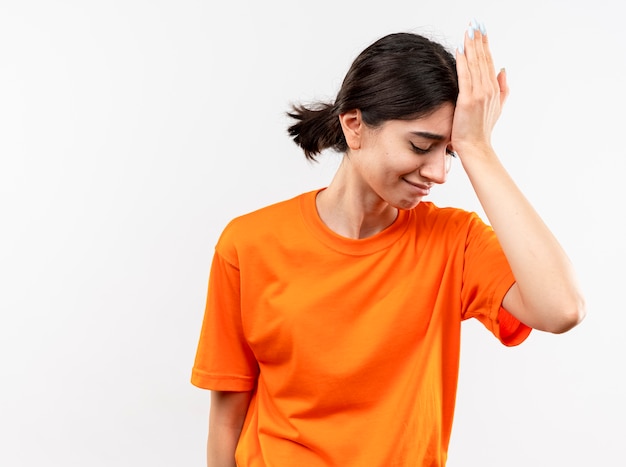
pixel 363 246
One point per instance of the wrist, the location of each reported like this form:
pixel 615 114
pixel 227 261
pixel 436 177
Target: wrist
pixel 475 150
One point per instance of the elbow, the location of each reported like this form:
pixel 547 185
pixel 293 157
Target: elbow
pixel 568 316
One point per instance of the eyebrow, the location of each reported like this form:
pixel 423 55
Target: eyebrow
pixel 428 135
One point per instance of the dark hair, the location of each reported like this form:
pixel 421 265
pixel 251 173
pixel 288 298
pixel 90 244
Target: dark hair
pixel 399 77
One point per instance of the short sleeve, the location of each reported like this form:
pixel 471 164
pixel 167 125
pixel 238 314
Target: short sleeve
pixel 224 361
pixel 512 330
pixel 487 277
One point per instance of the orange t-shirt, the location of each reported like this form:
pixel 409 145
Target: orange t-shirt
pixel 351 347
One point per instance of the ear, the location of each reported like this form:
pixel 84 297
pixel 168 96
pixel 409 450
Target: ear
pixel 352 126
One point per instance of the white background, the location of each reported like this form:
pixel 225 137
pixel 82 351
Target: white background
pixel 130 133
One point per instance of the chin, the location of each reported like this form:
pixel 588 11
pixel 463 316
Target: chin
pixel 407 204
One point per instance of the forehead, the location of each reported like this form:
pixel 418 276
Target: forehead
pixel 438 122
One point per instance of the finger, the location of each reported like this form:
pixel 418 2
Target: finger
pixel 462 68
pixel 488 65
pixel 488 79
pixel 472 58
pixel 504 86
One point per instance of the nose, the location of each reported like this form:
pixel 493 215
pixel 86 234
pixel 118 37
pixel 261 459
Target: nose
pixel 436 166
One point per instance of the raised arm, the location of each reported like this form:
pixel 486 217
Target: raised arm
pixel 546 295
pixel 228 412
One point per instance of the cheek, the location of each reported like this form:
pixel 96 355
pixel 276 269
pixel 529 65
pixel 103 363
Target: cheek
pixel 402 161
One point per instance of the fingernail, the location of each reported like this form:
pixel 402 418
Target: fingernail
pixel 470 32
pixel 483 28
pixel 475 24
pixel 461 48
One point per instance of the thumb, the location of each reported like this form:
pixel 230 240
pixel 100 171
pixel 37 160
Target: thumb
pixel 504 87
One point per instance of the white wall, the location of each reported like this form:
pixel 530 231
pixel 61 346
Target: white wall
pixel 131 131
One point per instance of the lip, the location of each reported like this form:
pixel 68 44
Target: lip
pixel 420 188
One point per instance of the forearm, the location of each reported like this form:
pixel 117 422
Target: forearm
pixel 546 295
pixel 221 446
pixel 228 412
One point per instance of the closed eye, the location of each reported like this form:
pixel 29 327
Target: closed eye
pixel 419 150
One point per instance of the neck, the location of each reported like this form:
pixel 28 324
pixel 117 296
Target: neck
pixel 351 209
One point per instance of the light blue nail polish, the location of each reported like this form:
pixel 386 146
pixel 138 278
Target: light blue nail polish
pixel 475 25
pixel 483 28
pixel 470 33
pixel 461 48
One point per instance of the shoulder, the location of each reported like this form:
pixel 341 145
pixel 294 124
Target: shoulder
pixel 465 229
pixel 262 226
pixel 267 217
pixel 428 214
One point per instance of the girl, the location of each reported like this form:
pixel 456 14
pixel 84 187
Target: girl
pixel 332 329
